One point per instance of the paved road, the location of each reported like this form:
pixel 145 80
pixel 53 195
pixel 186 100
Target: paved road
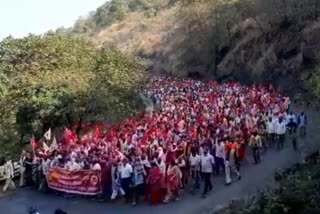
pixel 254 178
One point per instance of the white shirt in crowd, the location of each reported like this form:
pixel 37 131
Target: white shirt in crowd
pixel 194 160
pixel 281 128
pixel 8 170
pixel 45 166
pixel 72 165
pixel 220 150
pixel 162 166
pixel 270 127
pixel 201 150
pixel 146 163
pixel 206 163
pixel 291 117
pixel 126 171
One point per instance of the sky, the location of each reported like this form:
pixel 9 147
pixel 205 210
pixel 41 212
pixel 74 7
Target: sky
pixel 21 17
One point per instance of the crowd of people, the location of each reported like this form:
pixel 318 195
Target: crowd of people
pixel 200 129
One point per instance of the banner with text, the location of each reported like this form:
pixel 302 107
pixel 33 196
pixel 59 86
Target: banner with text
pixel 84 182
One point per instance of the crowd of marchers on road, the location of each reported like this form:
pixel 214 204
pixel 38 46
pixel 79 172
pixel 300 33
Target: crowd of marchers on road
pixel 202 129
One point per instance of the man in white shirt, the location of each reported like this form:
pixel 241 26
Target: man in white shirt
pixel 220 155
pixel 270 128
pixel 302 123
pixel 134 139
pixel 281 128
pixel 232 165
pixel 126 173
pixel 207 163
pixel 162 166
pixel 291 121
pixel 256 145
pixel 22 168
pixel 72 165
pixel 194 161
pixel 8 175
pixel 127 147
pixel 291 117
pixel 44 169
pixel 145 162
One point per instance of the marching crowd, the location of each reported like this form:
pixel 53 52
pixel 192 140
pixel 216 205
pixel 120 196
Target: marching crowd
pixel 200 129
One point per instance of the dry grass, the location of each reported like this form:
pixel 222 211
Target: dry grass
pixel 178 43
pixel 138 34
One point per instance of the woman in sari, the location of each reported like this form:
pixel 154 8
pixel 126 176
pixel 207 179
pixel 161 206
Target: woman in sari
pixel 154 182
pixel 174 176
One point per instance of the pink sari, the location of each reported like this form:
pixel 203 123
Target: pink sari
pixel 174 178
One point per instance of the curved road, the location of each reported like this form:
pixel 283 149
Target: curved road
pixel 254 178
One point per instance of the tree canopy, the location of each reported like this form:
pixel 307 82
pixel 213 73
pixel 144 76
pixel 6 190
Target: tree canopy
pixel 51 81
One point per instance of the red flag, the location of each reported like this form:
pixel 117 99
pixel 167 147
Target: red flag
pixel 33 142
pixel 68 135
pixel 97 132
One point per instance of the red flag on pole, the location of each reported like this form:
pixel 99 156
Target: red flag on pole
pixel 68 135
pixel 33 142
pixel 97 132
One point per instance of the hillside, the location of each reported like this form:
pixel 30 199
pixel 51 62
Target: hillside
pixel 249 41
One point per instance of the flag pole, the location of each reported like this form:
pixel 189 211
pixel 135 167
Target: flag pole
pixel 33 145
pixel 34 153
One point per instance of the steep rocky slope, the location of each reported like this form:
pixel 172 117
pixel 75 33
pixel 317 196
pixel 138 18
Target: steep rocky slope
pixel 217 40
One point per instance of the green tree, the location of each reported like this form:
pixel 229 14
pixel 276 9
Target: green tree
pixel 3 84
pixel 118 9
pixel 51 81
pixel 311 83
pixel 84 25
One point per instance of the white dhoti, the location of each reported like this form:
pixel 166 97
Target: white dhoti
pixel 9 184
pixel 229 168
pixel 117 191
pixel 21 180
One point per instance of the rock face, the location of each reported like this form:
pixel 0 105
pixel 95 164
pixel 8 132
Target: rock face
pixel 283 51
pixel 183 47
pixel 278 56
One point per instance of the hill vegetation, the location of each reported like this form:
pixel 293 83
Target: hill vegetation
pixel 53 81
pixel 114 11
pixel 84 73
pixel 249 40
